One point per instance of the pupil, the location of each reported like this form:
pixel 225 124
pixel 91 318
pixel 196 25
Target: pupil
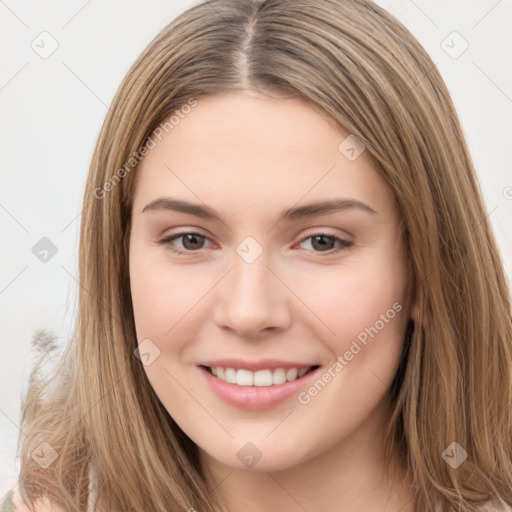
pixel 191 241
pixel 322 244
pixel 188 238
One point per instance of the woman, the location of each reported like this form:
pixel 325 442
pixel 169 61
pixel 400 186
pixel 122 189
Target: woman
pixel 291 297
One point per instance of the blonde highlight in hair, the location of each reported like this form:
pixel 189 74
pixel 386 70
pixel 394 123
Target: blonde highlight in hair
pixel 357 64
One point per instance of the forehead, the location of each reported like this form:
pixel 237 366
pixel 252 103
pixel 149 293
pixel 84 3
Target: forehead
pixel 251 150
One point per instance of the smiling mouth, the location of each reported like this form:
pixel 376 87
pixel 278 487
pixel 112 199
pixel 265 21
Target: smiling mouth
pixel 260 378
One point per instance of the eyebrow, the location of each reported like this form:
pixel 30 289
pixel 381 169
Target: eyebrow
pixel 294 213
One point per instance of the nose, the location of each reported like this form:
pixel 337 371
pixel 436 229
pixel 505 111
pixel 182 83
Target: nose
pixel 252 300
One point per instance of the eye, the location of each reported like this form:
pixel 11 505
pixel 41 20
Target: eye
pixel 193 242
pixel 190 242
pixel 322 242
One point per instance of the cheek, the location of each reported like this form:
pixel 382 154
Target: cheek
pixel 351 299
pixel 170 306
pixel 162 295
pixel 166 302
pixel 365 307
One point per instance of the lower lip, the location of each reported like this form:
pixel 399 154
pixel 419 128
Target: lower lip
pixel 256 397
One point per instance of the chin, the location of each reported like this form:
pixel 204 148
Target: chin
pixel 260 458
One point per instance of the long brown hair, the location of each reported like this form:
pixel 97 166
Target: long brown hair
pixel 361 67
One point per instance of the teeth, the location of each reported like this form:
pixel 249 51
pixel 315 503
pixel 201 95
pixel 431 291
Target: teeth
pixel 302 372
pixel 230 375
pixel 291 374
pixel 261 378
pixel 243 377
pixel 278 376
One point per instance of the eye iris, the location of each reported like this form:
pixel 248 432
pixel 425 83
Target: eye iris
pixel 192 237
pixel 322 245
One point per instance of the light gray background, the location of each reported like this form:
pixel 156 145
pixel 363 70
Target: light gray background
pixel 51 110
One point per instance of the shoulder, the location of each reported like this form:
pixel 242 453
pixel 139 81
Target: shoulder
pixel 6 505
pixel 14 503
pixel 497 505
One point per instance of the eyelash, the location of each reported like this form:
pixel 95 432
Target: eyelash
pixel 343 244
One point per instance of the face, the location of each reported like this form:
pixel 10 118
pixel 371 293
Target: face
pixel 261 249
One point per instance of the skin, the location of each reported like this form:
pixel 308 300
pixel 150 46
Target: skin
pixel 250 157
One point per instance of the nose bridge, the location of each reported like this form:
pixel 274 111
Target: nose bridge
pixel 251 298
pixel 250 279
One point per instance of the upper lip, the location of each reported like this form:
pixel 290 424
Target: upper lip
pixel 263 364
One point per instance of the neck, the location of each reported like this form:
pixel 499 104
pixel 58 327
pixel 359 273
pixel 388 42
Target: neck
pixel 351 476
